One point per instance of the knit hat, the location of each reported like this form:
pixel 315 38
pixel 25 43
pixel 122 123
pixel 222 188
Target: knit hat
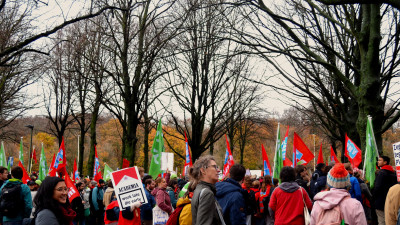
pixel 338 177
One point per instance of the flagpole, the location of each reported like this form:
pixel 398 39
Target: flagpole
pixel 314 151
pixel 30 166
pixel 77 166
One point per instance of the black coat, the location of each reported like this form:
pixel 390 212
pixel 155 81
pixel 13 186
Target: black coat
pixel 383 181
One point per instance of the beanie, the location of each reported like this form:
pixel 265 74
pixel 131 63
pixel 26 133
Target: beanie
pixel 338 177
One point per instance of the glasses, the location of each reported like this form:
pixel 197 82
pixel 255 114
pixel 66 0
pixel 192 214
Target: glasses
pixel 215 166
pixel 61 189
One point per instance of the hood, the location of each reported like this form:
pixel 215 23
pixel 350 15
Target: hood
pixel 183 201
pixel 289 187
pixel 109 189
pixel 226 187
pixel 387 167
pixel 12 182
pixel 154 191
pixel 330 199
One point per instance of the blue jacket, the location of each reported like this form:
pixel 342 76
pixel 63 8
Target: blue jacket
pixel 229 196
pixel 355 190
pixel 25 195
pixel 171 194
pixel 97 195
pixel 146 210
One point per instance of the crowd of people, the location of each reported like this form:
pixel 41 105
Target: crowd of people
pixel 332 194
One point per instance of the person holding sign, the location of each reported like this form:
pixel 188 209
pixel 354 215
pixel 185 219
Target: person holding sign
pixel 205 209
pixel 52 204
pixel 129 216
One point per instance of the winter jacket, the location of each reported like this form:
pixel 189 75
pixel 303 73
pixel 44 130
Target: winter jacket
pixel 313 183
pixel 171 194
pixel 392 205
pixel 185 217
pixel 351 209
pixel 304 184
pixel 146 210
pixel 355 190
pixel 204 207
pixel 107 197
pixel 45 217
pixel 162 199
pixel 230 198
pixel 289 195
pixel 85 195
pixel 385 179
pixel 97 198
pixel 77 206
pixel 125 217
pixel 25 195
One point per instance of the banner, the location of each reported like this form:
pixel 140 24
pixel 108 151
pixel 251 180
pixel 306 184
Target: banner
pixel 21 152
pixel 42 165
pixel 267 166
pixel 10 163
pixel 96 170
pixel 284 144
pixel 128 187
pixel 352 152
pixel 303 154
pixel 188 161
pixel 75 172
pixel 228 163
pixel 3 160
pixel 25 177
pixel 52 170
pixel 158 147
pixel 320 156
pixel 73 191
pixel 167 161
pixel 333 156
pixel 278 162
pixel 107 172
pixel 371 154
pixel 396 152
pixel 60 160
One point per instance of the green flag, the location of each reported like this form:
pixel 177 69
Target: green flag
pixel 371 152
pixel 278 160
pixel 107 172
pixel 10 161
pixel 158 147
pixel 42 165
pixel 3 161
pixel 21 152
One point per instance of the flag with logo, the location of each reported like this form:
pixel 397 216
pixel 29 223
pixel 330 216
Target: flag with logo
pixel 333 156
pixel 320 155
pixel 96 171
pixel 286 160
pixel 352 152
pixel 267 166
pixel 371 153
pixel 303 154
pixel 228 162
pixel 107 172
pixel 60 161
pixel 10 163
pixel 72 190
pixel 42 165
pixel 21 152
pixel 25 176
pixel 188 160
pixel 3 160
pixel 52 170
pixel 75 177
pixel 278 162
pixel 158 147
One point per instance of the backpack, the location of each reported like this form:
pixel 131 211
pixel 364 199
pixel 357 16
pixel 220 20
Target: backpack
pixel 266 201
pixel 174 217
pixel 330 217
pixel 11 202
pixel 250 202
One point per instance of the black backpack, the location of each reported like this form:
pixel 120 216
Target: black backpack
pixel 11 202
pixel 250 201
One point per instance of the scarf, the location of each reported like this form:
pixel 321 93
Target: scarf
pixel 387 167
pixel 211 186
pixel 68 214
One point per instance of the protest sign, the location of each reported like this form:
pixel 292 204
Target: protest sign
pixel 128 187
pixel 396 152
pixel 167 161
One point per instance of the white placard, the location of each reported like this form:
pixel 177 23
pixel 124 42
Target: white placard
pixel 167 161
pixel 396 152
pixel 128 187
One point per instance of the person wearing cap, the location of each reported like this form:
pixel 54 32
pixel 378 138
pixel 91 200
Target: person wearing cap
pixel 338 181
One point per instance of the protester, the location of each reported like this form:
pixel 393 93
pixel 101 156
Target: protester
pixel 205 209
pixel 351 210
pixel 392 205
pixel 263 197
pixel 172 186
pixel 3 175
pixel 129 216
pixel 162 197
pixel 15 198
pixel 250 198
pixel 365 195
pixel 230 196
pixel 52 204
pixel 303 178
pixel 77 205
pixel 33 186
pixel 97 201
pixel 85 193
pixel 385 179
pixel 288 199
pixel 108 194
pixel 146 210
pixel 319 172
pixel 355 190
pixel 320 185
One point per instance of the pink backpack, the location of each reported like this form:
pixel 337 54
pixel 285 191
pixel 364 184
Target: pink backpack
pixel 330 217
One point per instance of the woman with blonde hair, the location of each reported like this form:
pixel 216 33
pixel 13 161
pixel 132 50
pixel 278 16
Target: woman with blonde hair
pixel 205 209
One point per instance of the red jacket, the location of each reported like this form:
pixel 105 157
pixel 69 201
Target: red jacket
pixel 287 204
pixel 121 219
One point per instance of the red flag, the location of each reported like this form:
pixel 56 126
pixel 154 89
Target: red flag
pixel 75 172
pixel 303 154
pixel 97 172
pixel 228 159
pixel 352 152
pixel 60 162
pixel 73 191
pixel 287 162
pixel 267 167
pixel 333 156
pixel 125 163
pixel 52 170
pixel 34 155
pixel 188 160
pixel 25 176
pixel 320 155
